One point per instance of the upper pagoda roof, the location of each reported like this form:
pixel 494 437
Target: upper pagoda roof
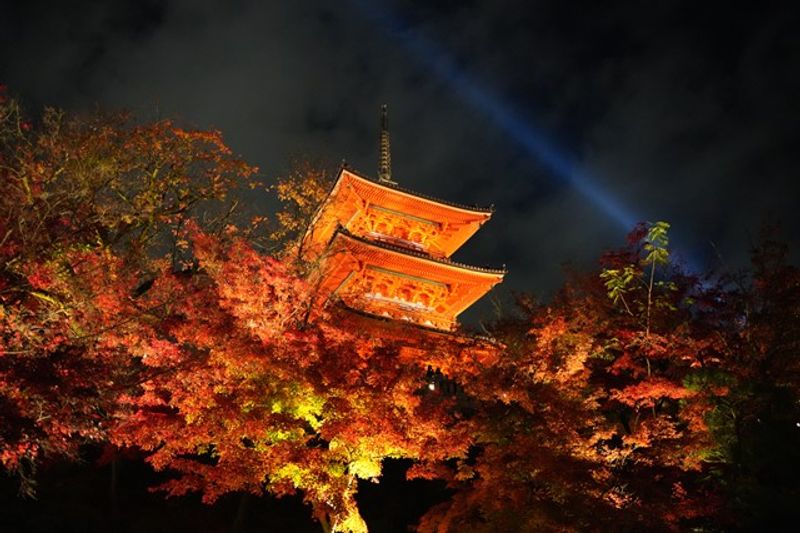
pixel 356 201
pixel 402 190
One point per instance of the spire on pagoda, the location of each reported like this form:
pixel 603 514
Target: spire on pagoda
pixel 385 161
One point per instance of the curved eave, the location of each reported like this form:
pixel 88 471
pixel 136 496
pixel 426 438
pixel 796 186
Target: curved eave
pixel 492 273
pixel 400 324
pixel 353 194
pixel 459 334
pixel 394 188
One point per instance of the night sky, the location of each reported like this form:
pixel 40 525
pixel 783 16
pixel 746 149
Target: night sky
pixel 574 119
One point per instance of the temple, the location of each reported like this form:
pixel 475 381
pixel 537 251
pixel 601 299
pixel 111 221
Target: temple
pixel 386 251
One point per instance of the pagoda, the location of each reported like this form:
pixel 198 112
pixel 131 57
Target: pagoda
pixel 385 251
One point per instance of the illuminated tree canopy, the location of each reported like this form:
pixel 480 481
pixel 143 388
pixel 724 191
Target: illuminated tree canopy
pixel 138 312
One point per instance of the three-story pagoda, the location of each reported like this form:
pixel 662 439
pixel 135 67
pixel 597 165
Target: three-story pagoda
pixel 386 251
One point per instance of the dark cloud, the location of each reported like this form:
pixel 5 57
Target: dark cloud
pixel 686 112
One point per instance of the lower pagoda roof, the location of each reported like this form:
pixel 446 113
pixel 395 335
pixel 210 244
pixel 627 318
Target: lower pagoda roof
pixel 432 290
pixel 424 345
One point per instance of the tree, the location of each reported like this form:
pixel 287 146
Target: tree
pixel 90 209
pixel 757 425
pixel 123 318
pixel 301 193
pixel 265 398
pixel 534 464
pixel 596 414
pixel 133 313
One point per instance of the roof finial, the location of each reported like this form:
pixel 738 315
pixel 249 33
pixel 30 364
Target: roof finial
pixel 385 162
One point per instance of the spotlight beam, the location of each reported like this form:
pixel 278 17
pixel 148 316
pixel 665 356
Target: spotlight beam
pixel 561 166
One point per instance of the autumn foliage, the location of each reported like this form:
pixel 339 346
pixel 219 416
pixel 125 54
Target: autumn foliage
pixel 87 205
pixel 138 312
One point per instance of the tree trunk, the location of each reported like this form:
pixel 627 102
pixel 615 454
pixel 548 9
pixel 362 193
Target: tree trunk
pixel 241 512
pixel 326 525
pixel 112 493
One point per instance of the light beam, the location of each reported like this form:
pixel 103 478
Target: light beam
pixel 561 166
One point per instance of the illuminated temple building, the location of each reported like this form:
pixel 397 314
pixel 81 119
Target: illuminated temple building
pixel 386 251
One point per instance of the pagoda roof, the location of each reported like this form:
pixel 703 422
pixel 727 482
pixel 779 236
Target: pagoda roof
pixel 409 192
pixel 350 253
pixel 419 254
pixel 458 333
pixel 355 200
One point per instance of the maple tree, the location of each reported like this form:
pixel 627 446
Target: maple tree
pixel 89 214
pixel 134 314
pixel 112 325
pixel 532 465
pixel 595 415
pixel 598 412
pixel 757 425
pixel 301 192
pixel 264 397
pixel 655 366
